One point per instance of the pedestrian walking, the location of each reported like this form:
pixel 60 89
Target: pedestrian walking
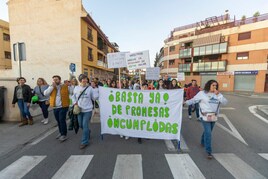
pixel 43 100
pixel 209 101
pixel 190 93
pixel 83 96
pixel 22 96
pixel 59 100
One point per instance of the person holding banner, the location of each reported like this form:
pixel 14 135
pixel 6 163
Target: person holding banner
pixel 174 84
pixel 82 97
pixel 209 101
pixel 161 85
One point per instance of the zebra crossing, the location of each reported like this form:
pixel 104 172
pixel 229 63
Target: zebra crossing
pixel 130 166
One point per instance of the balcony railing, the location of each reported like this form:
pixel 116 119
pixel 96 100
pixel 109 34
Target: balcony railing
pixel 185 53
pixel 209 66
pixel 185 67
pixel 211 49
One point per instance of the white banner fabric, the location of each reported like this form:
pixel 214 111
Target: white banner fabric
pixel 149 114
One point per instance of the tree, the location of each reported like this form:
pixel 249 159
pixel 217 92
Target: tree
pixel 256 15
pixel 157 59
pixel 243 19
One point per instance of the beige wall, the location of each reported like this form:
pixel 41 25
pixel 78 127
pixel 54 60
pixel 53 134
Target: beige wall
pixel 52 34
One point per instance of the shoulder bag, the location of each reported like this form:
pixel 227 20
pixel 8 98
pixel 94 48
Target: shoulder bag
pixel 210 116
pixel 76 108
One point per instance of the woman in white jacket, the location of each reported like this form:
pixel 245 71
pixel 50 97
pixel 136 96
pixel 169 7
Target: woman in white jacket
pixel 87 94
pixel 209 101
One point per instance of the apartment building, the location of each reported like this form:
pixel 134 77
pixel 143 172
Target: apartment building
pixel 233 52
pixel 57 34
pixel 5 52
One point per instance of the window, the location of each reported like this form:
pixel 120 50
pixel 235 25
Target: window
pixel 208 49
pixel 215 49
pixel 242 56
pixel 244 36
pixel 8 55
pixel 223 47
pixel 202 50
pixel 171 48
pixel 6 37
pixel 90 55
pixel 171 62
pixel 89 34
pixel 196 51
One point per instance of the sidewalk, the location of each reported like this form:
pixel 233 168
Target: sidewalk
pixel 248 94
pixel 13 137
pixel 263 108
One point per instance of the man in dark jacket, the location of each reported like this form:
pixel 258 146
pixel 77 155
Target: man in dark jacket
pixel 191 92
pixel 22 96
pixel 167 82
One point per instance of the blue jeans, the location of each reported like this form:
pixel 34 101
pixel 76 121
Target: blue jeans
pixel 196 110
pixel 83 120
pixel 24 109
pixel 44 108
pixel 60 115
pixel 206 136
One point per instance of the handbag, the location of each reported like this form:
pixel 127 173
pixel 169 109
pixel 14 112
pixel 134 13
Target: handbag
pixel 76 108
pixel 47 101
pixel 210 116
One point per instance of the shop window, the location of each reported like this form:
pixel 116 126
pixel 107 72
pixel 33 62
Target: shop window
pixel 242 56
pixel 244 36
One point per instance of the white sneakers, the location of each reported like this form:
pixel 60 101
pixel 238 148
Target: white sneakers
pixel 45 121
pixel 190 117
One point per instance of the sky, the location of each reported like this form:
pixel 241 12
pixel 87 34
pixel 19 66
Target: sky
pixel 137 25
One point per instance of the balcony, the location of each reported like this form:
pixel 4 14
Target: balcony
pixel 217 66
pixel 211 49
pixel 185 53
pixel 185 67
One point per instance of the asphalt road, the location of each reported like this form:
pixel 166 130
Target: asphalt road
pixel 239 141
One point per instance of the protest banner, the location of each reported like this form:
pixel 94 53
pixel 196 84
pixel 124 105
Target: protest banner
pixel 138 60
pixel 152 73
pixel 144 114
pixel 117 60
pixel 181 77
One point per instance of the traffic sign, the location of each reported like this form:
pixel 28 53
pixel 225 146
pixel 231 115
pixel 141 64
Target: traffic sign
pixel 72 67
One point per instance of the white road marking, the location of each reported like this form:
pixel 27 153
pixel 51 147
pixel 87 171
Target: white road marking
pixel 74 167
pixel 21 167
pixel 264 155
pixel 44 136
pixel 128 166
pixel 170 146
pixel 182 166
pixel 222 108
pixel 237 167
pixel 183 145
pixel 253 109
pixel 233 130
